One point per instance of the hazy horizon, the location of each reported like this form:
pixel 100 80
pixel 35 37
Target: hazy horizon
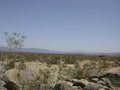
pixel 66 25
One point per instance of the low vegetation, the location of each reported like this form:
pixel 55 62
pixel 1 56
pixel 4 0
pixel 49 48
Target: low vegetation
pixel 35 71
pixel 54 68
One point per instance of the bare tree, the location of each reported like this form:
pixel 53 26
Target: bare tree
pixel 14 40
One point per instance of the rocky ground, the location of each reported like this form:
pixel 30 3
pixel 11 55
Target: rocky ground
pixel 40 76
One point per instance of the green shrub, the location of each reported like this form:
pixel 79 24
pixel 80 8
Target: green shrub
pixel 10 64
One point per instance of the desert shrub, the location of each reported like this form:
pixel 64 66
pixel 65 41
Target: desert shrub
pixel 21 65
pixel 54 58
pixel 77 71
pixel 2 69
pixel 25 82
pixel 84 71
pixel 104 64
pixel 63 71
pixel 47 79
pixel 70 73
pixel 87 70
pixel 10 64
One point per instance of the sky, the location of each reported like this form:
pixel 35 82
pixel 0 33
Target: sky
pixel 66 25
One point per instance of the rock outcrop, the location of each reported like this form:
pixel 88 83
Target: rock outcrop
pixel 18 78
pixel 100 81
pixel 2 83
pixel 15 77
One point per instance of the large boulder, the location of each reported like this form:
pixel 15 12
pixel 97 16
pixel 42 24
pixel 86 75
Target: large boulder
pixel 97 74
pixel 95 86
pixel 105 82
pixel 82 83
pixel 11 86
pixel 62 86
pixel 2 83
pixel 88 85
pixel 16 78
pixel 114 78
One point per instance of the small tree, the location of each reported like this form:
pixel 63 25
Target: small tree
pixel 15 41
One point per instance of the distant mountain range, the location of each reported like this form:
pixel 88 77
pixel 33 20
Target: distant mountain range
pixel 34 50
pixel 37 50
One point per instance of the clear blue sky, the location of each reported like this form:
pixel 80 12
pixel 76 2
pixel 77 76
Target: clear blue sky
pixel 88 25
